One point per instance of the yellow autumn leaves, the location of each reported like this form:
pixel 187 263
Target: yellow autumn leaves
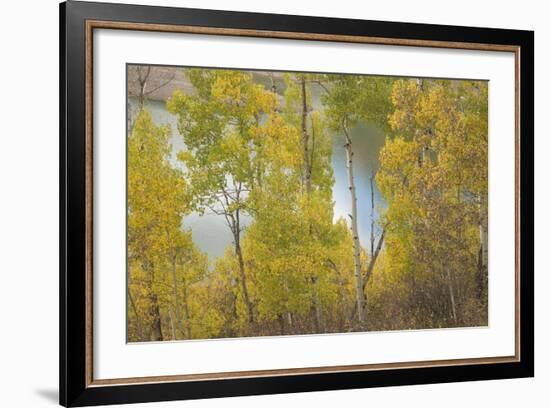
pixel 260 159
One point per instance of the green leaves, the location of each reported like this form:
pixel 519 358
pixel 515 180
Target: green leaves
pixel 354 98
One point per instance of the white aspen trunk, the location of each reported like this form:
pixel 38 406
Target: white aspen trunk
pixel 373 258
pixel 483 256
pixel 372 215
pixel 355 236
pixel 452 297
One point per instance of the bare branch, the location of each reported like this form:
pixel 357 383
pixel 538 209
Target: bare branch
pixel 373 258
pixel 161 86
pixel 323 86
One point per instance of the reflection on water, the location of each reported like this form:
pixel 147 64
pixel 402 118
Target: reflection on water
pixel 210 232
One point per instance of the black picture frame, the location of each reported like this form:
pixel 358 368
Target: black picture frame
pixel 75 389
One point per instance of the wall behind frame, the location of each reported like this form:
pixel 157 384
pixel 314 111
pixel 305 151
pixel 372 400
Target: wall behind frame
pixel 29 204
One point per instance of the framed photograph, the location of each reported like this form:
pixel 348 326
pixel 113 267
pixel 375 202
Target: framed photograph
pixel 257 204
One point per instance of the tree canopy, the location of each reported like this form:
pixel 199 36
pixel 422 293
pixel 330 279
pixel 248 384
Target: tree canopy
pixel 259 155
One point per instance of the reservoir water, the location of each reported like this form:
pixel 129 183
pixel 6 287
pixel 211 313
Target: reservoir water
pixel 210 232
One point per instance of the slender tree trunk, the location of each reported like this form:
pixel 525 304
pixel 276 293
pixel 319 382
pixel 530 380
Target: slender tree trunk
pixel 342 294
pixel 287 314
pixel 316 321
pixel 232 311
pixel 138 317
pixel 305 137
pixel 483 262
pixel 371 253
pixel 154 309
pixel 273 86
pixel 281 320
pixel 246 297
pixel 372 214
pixel 174 336
pixel 156 325
pixel 359 293
pixel 312 151
pixel 129 120
pixel 239 254
pixel 142 79
pixel 318 313
pixel 370 266
pixel 373 258
pixel 176 296
pixel 186 310
pixel 316 309
pixel 452 296
pixel 308 168
pixel 289 321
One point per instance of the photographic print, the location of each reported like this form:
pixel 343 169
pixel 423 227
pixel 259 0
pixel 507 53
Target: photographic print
pixel 287 203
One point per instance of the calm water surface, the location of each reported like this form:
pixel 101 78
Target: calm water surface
pixel 210 232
